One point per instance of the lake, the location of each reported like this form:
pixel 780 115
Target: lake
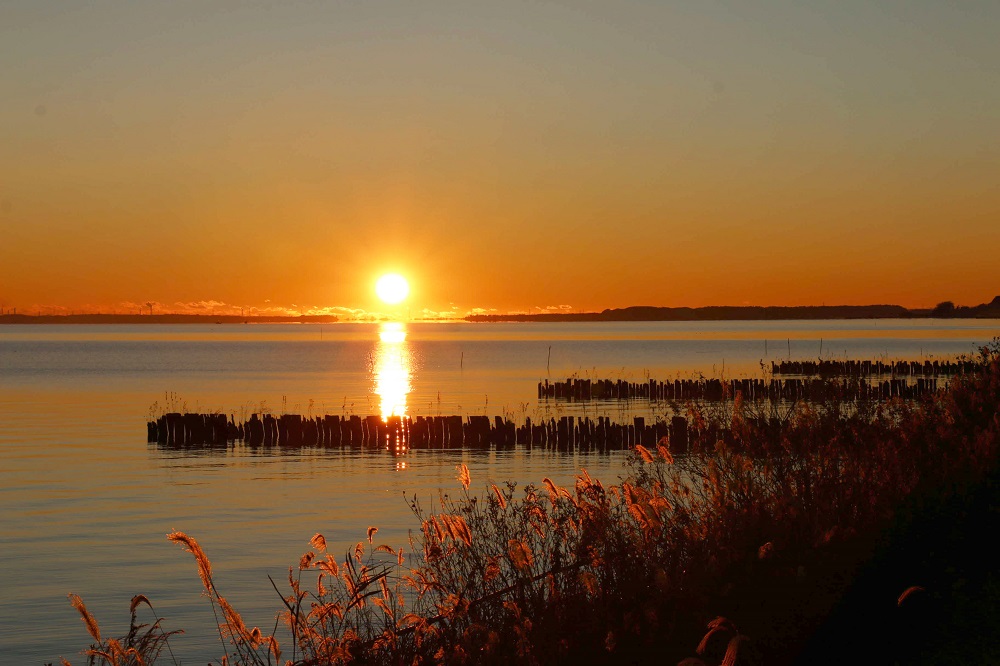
pixel 86 502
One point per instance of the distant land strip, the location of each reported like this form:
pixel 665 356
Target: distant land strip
pixel 163 319
pixel 945 310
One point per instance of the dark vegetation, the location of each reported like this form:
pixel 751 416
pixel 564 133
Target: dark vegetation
pixel 854 532
pixel 947 309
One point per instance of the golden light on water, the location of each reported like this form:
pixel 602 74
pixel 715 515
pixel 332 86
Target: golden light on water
pixel 392 288
pixel 392 369
pixel 392 333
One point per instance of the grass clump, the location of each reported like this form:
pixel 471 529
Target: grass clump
pixel 143 644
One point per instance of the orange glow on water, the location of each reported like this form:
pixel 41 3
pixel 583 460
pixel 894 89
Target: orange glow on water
pixel 392 369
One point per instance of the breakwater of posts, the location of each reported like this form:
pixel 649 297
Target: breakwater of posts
pixel 874 368
pixel 714 390
pixel 400 434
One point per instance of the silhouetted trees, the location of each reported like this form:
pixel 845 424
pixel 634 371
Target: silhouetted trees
pixel 944 309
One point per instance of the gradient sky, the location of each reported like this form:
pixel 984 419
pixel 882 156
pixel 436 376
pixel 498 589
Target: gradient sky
pixel 502 155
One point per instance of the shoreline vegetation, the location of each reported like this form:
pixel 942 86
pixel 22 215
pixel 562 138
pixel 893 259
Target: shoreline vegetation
pixel 835 531
pixel 944 310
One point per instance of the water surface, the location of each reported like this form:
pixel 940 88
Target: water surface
pixel 86 502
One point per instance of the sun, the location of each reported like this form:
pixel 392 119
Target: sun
pixel 392 288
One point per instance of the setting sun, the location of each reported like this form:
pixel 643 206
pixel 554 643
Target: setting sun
pixel 392 288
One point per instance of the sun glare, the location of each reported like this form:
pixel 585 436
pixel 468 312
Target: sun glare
pixel 392 369
pixel 392 288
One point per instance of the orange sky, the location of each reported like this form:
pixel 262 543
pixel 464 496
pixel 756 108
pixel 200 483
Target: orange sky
pixel 502 156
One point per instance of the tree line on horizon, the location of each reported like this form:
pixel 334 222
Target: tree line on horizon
pixel 945 310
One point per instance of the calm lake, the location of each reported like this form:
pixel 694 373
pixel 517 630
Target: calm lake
pixel 86 503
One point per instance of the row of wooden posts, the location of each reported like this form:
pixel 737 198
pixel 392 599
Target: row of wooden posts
pixel 750 389
pixel 833 368
pixel 398 434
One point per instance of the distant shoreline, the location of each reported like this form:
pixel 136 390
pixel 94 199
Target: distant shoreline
pixel 162 319
pixel 759 313
pixel 945 310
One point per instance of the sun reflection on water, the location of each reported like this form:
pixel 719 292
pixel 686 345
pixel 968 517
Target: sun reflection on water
pixel 392 369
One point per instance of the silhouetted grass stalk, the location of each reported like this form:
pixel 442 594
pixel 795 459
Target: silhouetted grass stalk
pixel 143 644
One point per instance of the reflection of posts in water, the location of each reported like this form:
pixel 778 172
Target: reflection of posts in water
pixel 391 369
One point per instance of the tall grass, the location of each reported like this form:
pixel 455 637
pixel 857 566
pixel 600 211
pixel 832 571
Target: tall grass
pixel 143 644
pixel 732 552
